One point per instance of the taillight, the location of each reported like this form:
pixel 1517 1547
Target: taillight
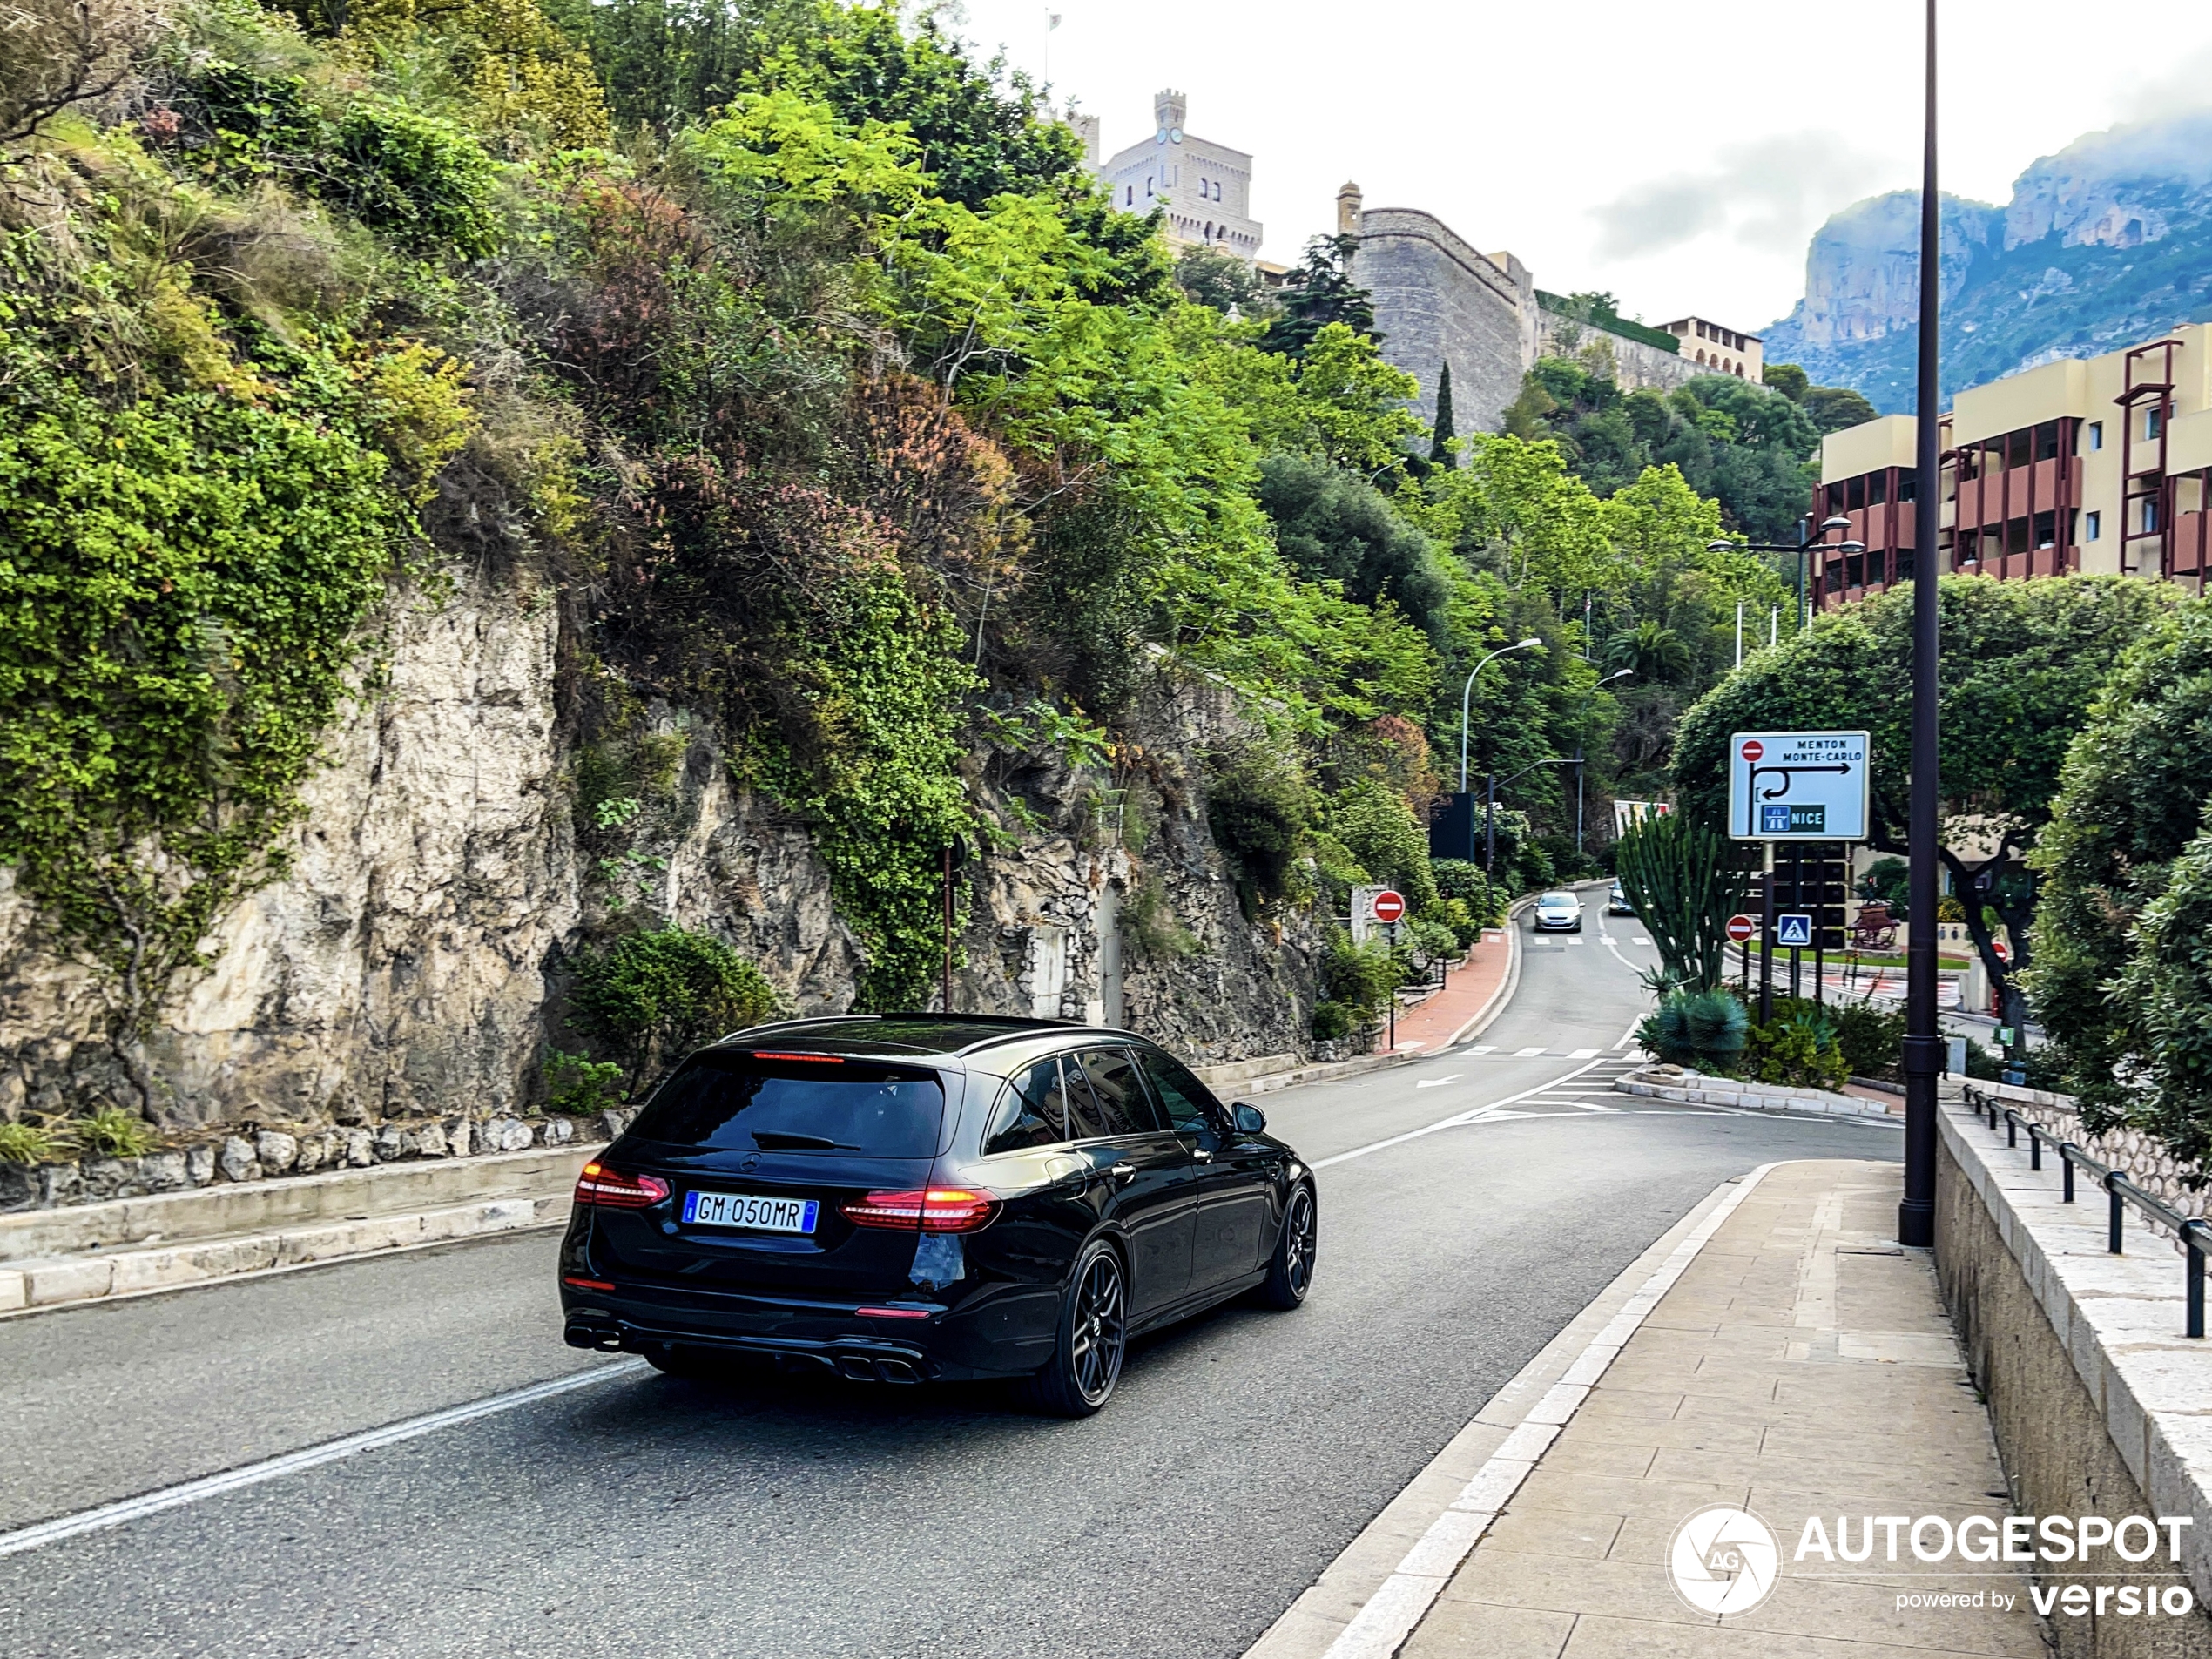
pixel 599 1184
pixel 931 1209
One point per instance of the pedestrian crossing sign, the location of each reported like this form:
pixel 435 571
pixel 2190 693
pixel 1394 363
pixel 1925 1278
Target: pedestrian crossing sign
pixel 1793 929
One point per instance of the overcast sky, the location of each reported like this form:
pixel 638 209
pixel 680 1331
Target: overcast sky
pixel 1678 152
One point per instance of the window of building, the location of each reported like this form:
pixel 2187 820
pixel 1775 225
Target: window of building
pixel 2046 529
pixel 1877 489
pixel 2150 514
pixel 2046 441
pixel 2096 524
pixel 1908 486
pixel 2016 535
pixel 1855 570
pixel 2154 418
pixel 1129 195
pixel 2019 447
pixel 2096 442
pixel 1855 494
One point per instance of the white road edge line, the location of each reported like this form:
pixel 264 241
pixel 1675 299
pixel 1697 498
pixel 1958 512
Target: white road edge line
pixel 1388 1617
pixel 1456 1120
pixel 161 1498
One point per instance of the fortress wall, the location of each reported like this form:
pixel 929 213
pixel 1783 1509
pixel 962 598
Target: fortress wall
pixel 1438 300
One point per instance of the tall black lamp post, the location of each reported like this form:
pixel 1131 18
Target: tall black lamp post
pixel 1922 1042
pixel 1490 804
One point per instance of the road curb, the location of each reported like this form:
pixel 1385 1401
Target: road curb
pixel 1368 1601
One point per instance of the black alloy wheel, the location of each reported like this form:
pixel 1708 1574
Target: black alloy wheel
pixel 1289 1272
pixel 1093 1335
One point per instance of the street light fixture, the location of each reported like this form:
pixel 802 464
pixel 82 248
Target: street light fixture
pixel 1805 544
pixel 1468 691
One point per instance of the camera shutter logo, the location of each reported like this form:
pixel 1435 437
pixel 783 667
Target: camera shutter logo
pixel 1723 1561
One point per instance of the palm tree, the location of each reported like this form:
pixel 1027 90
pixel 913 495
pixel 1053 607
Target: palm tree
pixel 1654 651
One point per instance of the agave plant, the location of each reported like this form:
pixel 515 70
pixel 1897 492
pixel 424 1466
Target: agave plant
pixel 1690 1027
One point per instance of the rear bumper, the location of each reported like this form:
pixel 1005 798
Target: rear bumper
pixel 946 1344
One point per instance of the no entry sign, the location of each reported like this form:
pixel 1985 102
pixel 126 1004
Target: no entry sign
pixel 1753 749
pixel 1390 905
pixel 1740 928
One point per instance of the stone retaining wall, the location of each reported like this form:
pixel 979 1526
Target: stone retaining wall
pixel 2100 1406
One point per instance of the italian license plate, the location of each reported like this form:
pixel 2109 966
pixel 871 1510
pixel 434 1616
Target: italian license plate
pixel 753 1210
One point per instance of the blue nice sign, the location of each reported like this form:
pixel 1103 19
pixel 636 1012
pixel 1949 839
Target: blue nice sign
pixel 1783 820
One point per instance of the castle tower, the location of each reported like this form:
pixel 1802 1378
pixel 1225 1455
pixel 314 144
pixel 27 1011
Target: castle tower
pixel 1348 200
pixel 1202 190
pixel 1169 109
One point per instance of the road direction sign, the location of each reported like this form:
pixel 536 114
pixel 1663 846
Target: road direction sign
pixel 1793 929
pixel 1797 786
pixel 1742 929
pixel 1389 906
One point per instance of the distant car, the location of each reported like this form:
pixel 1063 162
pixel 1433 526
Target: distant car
pixel 1616 903
pixel 919 1196
pixel 1559 913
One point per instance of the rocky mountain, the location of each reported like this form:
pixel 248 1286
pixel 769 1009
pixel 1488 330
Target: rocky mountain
pixel 2106 243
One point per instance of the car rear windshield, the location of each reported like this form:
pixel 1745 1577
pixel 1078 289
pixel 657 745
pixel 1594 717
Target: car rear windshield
pixel 841 1108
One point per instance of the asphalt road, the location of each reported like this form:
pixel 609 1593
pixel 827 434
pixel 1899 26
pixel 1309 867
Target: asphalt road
pixel 639 1514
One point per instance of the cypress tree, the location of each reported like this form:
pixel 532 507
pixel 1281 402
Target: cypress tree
pixel 1442 433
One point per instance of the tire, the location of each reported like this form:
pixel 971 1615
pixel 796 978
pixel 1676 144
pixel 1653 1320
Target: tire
pixel 1289 1269
pixel 1092 1338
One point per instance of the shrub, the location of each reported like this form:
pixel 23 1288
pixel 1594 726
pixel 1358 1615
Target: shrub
pixel 1462 880
pixel 1374 820
pixel 580 1086
pixel 1872 1038
pixel 649 998
pixel 1149 926
pixel 1696 1028
pixel 1454 918
pixel 111 1132
pixel 1259 808
pixel 1361 977
pixel 1798 1046
pixel 1332 1020
pixel 1432 940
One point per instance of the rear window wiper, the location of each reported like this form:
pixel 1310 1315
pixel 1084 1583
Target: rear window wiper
pixel 775 1140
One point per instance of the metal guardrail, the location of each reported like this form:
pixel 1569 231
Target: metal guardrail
pixel 2195 1234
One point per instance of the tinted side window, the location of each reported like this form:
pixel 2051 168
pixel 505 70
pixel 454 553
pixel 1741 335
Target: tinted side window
pixel 1124 1107
pixel 1030 1113
pixel 1085 1122
pixel 1190 1106
pixel 734 1101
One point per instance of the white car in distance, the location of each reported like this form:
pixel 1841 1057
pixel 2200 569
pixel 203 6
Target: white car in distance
pixel 1559 913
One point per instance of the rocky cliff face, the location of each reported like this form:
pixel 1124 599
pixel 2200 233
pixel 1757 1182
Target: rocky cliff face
pixel 2105 243
pixel 409 964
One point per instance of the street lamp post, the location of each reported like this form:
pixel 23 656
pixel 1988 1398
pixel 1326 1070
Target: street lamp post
pixel 1468 691
pixel 1922 1042
pixel 1805 544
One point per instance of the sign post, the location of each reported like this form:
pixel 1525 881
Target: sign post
pixel 1794 787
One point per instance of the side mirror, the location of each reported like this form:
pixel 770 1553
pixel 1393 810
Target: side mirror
pixel 1250 1120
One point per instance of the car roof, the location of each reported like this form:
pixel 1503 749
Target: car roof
pixel 1558 898
pixel 906 1036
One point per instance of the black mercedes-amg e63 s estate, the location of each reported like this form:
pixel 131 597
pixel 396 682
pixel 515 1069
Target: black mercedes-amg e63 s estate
pixel 909 1197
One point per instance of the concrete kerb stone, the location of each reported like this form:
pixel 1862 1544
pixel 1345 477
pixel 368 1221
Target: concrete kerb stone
pixel 1660 1083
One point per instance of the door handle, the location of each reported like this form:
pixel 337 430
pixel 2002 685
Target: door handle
pixel 1199 1154
pixel 1123 1172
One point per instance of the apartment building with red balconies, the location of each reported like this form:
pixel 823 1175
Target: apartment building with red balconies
pixel 2101 464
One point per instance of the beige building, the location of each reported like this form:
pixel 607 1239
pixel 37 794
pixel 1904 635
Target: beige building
pixel 1718 350
pixel 1204 188
pixel 2101 464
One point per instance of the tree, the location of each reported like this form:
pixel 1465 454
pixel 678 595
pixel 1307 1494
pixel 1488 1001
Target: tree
pixel 1442 433
pixel 2121 978
pixel 1336 527
pixel 2022 663
pixel 651 998
pixel 1834 408
pixel 1787 379
pixel 1652 649
pixel 1210 277
pixel 1321 292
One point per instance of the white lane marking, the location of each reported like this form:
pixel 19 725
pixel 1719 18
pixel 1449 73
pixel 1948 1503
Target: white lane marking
pixel 1639 941
pixel 1576 943
pixel 1629 1036
pixel 251 1474
pixel 1437 1083
pixel 1388 1617
pixel 1484 1048
pixel 1583 1054
pixel 1458 1120
pixel 1524 1053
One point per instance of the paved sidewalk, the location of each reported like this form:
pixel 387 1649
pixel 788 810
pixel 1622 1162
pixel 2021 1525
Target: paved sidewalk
pixel 1801 1366
pixel 1472 986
